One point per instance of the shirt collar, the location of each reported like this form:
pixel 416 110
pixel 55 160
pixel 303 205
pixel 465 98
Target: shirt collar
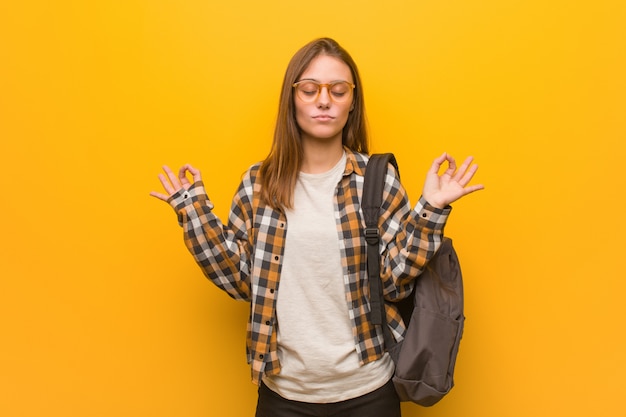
pixel 352 164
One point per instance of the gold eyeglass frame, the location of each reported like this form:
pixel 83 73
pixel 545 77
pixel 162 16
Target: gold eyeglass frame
pixel 319 89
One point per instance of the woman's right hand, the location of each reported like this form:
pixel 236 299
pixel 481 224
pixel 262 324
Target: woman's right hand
pixel 172 183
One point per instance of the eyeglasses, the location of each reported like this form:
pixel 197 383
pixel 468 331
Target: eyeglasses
pixel 339 91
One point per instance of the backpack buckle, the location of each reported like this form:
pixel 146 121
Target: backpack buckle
pixel 372 235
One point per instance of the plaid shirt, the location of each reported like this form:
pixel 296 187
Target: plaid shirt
pixel 244 257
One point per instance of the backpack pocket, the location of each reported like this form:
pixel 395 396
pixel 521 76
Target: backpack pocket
pixel 425 363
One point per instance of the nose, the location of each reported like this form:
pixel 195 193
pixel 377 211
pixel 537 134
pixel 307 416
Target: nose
pixel 323 98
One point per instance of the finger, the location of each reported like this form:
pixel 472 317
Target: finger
pixel 182 176
pixel 460 174
pixel 166 184
pixel 195 172
pixel 451 165
pixel 160 196
pixel 473 188
pixel 173 179
pixel 436 165
pixel 468 175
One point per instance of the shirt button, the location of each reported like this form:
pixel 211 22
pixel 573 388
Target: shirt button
pixel 272 291
pixel 275 258
pixel 185 195
pixel 424 214
pixel 267 322
pixel 261 356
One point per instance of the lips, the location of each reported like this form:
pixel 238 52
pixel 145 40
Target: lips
pixel 323 118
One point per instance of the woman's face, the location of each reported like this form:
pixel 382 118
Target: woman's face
pixel 324 117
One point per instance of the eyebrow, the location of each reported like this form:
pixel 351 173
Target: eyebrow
pixel 319 82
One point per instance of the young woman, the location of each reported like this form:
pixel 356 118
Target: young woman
pixel 293 245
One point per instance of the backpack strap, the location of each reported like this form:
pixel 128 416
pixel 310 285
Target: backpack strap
pixel 371 203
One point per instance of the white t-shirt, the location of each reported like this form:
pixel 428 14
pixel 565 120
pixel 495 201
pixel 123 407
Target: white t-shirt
pixel 316 346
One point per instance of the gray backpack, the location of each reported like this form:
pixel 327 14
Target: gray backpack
pixel 433 314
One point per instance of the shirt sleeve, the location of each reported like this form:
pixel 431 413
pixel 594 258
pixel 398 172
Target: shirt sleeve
pixel 410 237
pixel 221 251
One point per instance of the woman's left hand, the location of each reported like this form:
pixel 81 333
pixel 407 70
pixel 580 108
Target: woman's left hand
pixel 442 190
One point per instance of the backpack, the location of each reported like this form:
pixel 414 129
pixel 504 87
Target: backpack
pixel 433 314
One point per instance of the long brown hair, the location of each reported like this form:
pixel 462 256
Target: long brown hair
pixel 279 171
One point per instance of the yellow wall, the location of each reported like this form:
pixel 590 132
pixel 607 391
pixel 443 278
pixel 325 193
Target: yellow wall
pixel 102 311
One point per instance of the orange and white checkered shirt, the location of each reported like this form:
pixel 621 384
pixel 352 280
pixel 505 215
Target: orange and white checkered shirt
pixel 244 257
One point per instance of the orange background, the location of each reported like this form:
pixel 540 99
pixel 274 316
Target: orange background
pixel 104 313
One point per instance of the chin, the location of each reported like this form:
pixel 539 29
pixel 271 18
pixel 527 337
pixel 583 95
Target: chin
pixel 324 137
